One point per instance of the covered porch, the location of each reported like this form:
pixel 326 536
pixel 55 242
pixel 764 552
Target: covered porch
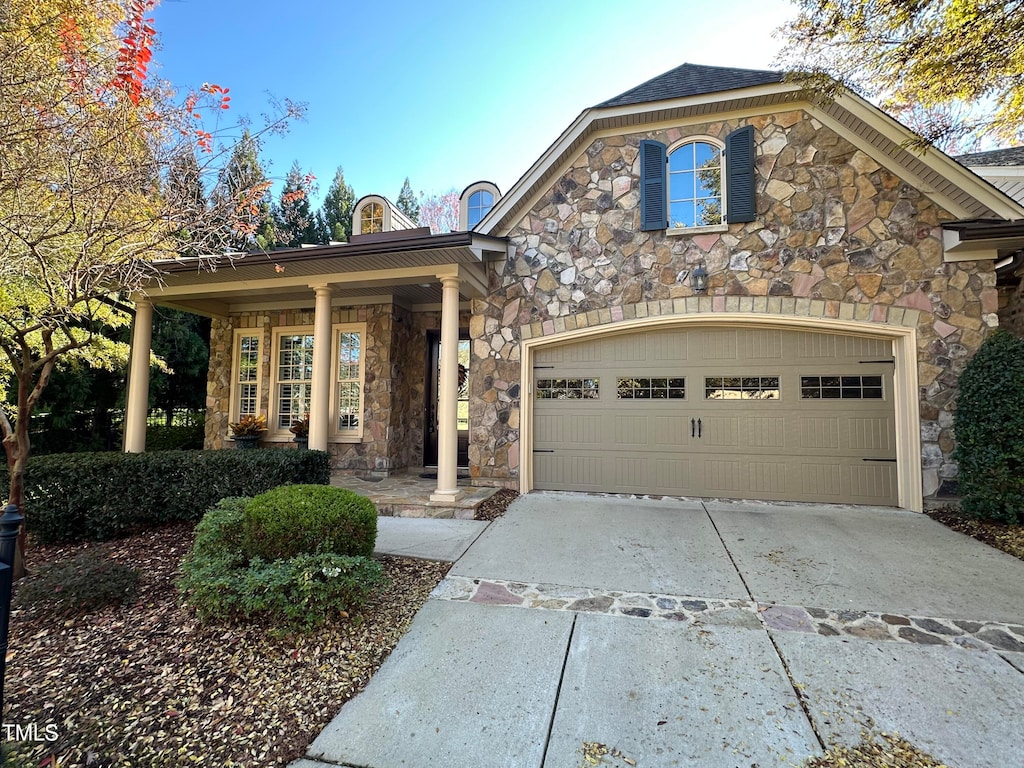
pixel 338 333
pixel 411 494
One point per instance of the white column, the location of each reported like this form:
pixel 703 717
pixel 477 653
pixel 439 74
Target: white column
pixel 138 378
pixel 448 394
pixel 320 396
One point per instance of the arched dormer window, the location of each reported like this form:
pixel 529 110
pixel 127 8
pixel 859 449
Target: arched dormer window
pixel 475 203
pixel 695 184
pixel 480 204
pixel 373 213
pixel 371 219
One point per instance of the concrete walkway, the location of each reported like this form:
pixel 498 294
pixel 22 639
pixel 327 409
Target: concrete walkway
pixel 681 633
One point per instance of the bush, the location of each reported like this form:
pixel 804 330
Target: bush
pixel 187 437
pixel 989 425
pixel 291 520
pixel 82 584
pixel 100 496
pixel 223 581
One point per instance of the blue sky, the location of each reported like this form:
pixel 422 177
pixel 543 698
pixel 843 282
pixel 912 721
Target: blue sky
pixel 445 93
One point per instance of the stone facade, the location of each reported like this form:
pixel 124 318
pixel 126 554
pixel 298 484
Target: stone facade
pixel 834 229
pixel 395 350
pixel 1011 308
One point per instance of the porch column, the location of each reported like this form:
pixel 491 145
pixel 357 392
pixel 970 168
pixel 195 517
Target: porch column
pixel 320 395
pixel 448 394
pixel 138 378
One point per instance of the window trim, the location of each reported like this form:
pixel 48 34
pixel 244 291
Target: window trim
pixel 334 434
pixel 721 226
pixel 468 192
pixel 234 400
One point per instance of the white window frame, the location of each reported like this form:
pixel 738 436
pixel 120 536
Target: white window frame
pixel 335 434
pixel 235 399
pixel 723 225
pixel 468 192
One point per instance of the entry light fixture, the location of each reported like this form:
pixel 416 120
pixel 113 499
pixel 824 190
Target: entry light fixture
pixel 699 278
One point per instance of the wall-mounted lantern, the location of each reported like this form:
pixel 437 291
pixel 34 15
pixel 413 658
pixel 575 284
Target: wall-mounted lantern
pixel 699 278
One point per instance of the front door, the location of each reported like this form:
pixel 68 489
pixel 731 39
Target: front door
pixel 433 377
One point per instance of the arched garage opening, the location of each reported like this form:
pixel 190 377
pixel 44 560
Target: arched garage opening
pixel 725 405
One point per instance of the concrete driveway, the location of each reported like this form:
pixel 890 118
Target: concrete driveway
pixel 685 633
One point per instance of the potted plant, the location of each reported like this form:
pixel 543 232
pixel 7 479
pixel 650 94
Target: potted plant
pixel 300 428
pixel 248 430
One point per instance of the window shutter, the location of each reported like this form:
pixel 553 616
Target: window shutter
pixel 739 187
pixel 653 195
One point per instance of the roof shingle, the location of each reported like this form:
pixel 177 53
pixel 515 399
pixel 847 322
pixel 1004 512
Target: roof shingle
pixel 693 80
pixel 1008 156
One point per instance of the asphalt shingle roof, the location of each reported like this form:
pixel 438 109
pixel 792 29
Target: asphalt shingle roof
pixel 1009 156
pixel 693 80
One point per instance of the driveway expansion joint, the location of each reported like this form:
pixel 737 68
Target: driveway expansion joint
pixel 871 625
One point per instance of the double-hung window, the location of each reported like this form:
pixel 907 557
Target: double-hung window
pixel 697 183
pixel 246 374
pixel 291 379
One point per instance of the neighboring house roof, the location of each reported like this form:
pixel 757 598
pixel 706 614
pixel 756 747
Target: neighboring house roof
pixel 1007 156
pixel 1003 168
pixel 692 93
pixel 692 80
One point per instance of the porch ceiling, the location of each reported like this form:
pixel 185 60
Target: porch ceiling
pixel 403 270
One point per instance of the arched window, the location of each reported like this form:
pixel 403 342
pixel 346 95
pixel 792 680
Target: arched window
pixel 695 185
pixel 371 219
pixel 480 204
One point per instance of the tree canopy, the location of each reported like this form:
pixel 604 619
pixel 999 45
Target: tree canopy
pixel 96 183
pixel 337 208
pixel 406 202
pixel 294 223
pixel 953 69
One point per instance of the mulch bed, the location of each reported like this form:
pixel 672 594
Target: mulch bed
pixel 1008 538
pixel 495 506
pixel 146 684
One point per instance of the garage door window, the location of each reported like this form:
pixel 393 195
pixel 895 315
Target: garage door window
pixel 650 389
pixel 567 389
pixel 741 388
pixel 841 387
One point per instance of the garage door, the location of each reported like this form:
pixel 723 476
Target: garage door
pixel 718 412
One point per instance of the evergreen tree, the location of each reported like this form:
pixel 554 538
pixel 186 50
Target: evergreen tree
pixel 243 187
pixel 323 234
pixel 407 202
pixel 183 189
pixel 294 223
pixel 337 209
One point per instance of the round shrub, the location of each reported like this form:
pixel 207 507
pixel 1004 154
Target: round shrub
pixel 989 425
pixel 295 583
pixel 309 519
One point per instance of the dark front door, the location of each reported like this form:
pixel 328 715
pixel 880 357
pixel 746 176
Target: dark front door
pixel 432 374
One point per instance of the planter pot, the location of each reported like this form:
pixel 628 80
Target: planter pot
pixel 247 442
pixel 302 443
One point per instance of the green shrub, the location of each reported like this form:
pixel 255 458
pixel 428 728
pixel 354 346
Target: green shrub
pixel 989 426
pixel 99 496
pixel 291 520
pixel 187 437
pixel 223 581
pixel 82 584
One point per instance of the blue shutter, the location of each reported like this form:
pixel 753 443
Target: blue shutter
pixel 653 194
pixel 739 186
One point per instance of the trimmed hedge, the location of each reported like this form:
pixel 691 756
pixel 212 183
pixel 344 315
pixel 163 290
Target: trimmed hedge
pixel 225 581
pixel 296 519
pixel 989 426
pixel 100 496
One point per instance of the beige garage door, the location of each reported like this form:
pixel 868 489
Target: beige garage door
pixel 718 412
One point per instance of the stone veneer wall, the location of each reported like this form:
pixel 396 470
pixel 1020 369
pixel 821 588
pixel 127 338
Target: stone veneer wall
pixel 1011 308
pixel 833 228
pixel 387 387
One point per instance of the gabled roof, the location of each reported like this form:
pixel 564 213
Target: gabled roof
pixel 1002 157
pixel 693 93
pixel 692 80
